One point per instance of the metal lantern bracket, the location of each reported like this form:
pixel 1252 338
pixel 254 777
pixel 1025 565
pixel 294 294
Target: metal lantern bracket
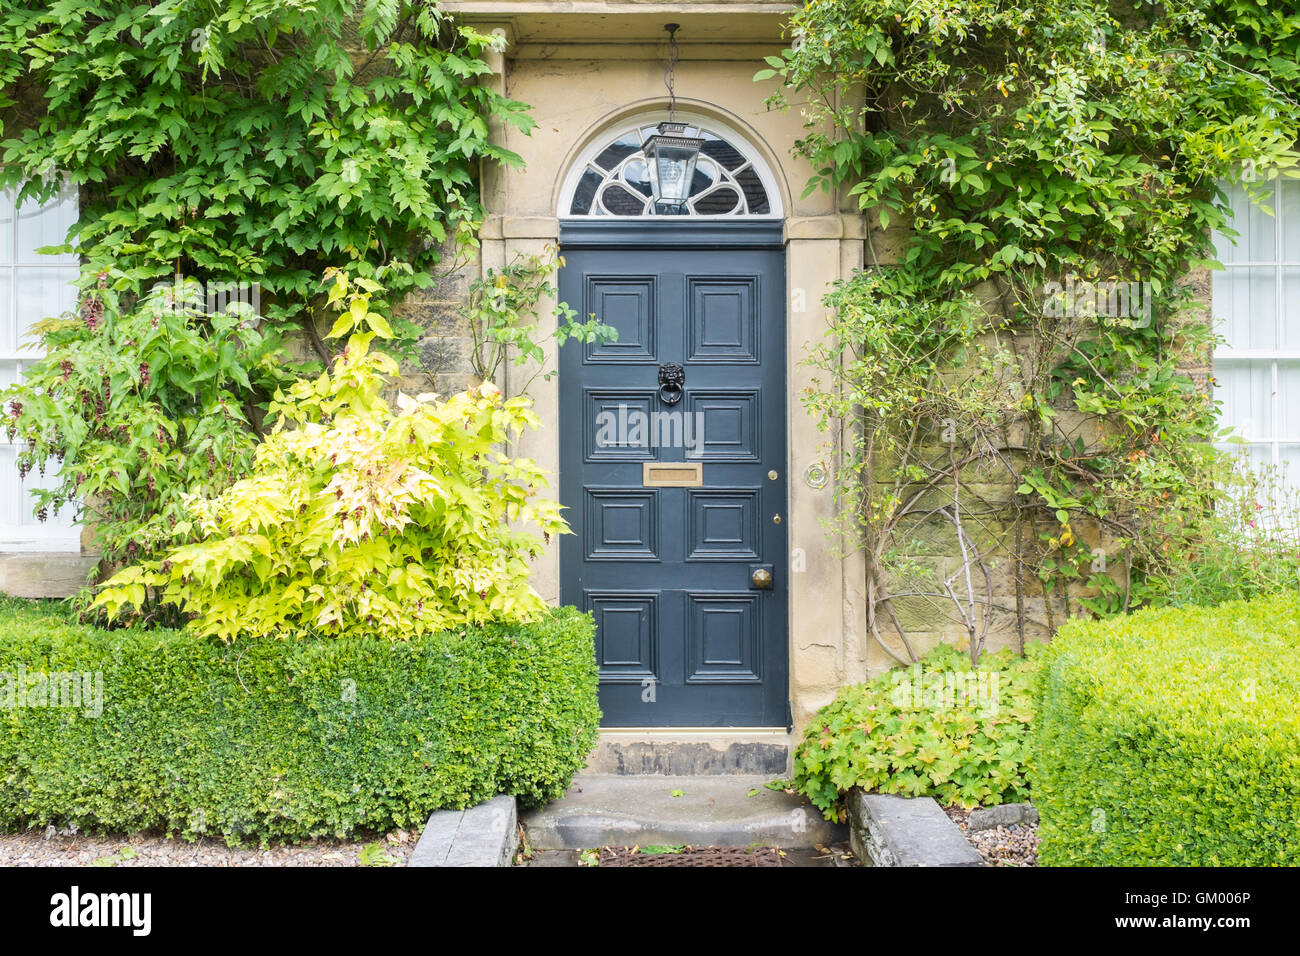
pixel 670 153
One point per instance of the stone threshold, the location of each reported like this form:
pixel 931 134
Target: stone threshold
pixel 705 751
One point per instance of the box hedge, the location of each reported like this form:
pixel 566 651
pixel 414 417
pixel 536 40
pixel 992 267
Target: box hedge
pixel 288 740
pixel 1172 737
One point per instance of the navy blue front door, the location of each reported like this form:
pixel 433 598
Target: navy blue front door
pixel 673 468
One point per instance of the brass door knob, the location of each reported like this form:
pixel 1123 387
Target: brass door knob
pixel 761 578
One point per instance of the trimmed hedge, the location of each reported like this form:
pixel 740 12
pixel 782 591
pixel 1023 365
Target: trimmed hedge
pixel 1171 737
pixel 288 740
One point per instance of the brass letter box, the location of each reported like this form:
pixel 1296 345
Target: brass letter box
pixel 674 474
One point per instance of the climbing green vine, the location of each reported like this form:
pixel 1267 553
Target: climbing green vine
pixel 1042 177
pixel 249 147
pixel 258 142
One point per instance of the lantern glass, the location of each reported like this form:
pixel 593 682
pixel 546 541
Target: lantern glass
pixel 671 156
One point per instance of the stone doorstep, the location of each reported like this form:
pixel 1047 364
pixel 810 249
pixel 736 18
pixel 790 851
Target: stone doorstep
pixel 484 835
pixel 888 830
pixel 712 810
pixel 682 754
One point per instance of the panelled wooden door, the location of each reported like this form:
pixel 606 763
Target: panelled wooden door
pixel 673 469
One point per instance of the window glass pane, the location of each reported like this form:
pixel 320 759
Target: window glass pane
pixel 585 193
pixel 32 287
pixel 706 174
pixel 620 202
pixel 721 201
pixel 41 294
pixel 669 209
pixel 723 152
pixel 1224 247
pixel 1288 399
pixel 1289 464
pixel 1246 391
pixel 1291 307
pixel 637 175
pixel 45 225
pixel 617 151
pixel 8 330
pixel 1245 307
pixel 1257 241
pixel 11 500
pixel 1258 230
pixel 17 516
pixel 6 226
pixel 752 187
pixel 1291 220
pixel 1257 457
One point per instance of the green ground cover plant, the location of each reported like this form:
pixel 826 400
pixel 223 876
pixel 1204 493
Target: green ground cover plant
pixel 939 728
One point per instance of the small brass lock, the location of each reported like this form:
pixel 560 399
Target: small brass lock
pixel 761 578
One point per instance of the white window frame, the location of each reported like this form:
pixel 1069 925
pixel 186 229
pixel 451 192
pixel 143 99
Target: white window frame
pixel 1264 358
pixel 58 533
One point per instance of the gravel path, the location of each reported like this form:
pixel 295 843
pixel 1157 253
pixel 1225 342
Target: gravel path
pixel 38 849
pixel 1016 845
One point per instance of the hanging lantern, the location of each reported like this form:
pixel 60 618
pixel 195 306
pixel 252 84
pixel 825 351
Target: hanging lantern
pixel 670 153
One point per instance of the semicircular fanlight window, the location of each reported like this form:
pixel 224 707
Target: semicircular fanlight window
pixel 616 182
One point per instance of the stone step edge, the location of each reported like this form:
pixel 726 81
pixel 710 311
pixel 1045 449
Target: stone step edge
pixel 485 835
pixel 887 830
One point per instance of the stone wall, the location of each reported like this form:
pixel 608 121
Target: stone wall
pixel 442 362
pixel 1022 611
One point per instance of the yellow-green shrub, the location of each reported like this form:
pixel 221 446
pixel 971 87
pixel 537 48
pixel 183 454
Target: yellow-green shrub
pixel 360 519
pixel 1171 738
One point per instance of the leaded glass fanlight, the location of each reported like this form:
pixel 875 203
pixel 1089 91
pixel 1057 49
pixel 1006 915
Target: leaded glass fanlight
pixel 615 181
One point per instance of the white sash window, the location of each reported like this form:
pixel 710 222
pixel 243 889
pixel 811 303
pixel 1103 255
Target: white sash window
pixel 1257 311
pixel 32 287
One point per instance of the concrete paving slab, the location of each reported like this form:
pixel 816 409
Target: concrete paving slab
pixel 639 810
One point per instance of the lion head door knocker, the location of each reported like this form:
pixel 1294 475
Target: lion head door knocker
pixel 671 379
